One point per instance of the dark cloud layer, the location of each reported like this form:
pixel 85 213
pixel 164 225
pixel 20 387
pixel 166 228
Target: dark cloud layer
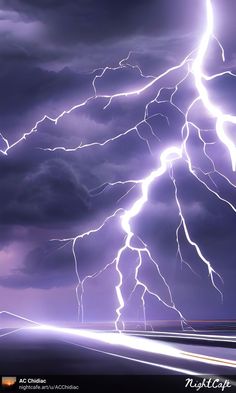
pixel 88 21
pixel 43 268
pixel 50 194
pixel 88 34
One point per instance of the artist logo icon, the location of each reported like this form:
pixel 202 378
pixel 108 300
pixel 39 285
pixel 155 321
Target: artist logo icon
pixel 8 384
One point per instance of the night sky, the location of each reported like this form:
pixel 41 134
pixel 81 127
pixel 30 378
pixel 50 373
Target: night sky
pixel 50 51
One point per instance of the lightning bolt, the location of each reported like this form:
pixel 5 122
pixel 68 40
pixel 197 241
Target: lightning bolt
pixel 192 66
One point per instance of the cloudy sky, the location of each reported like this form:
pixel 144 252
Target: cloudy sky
pixel 50 52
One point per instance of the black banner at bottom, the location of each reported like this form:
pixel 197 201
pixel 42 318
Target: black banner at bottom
pixel 118 383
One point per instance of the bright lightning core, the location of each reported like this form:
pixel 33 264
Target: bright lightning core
pixel 193 67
